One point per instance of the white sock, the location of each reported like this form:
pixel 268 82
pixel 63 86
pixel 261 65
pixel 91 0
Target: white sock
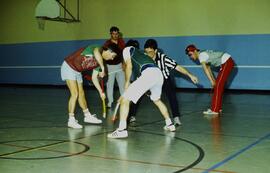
pixel 168 121
pixel 86 112
pixel 71 118
pixel 122 125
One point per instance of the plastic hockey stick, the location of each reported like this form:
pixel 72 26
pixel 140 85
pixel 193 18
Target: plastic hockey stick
pixel 115 112
pixel 103 100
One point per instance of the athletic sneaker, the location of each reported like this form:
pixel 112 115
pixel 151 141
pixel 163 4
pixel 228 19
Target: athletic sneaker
pixel 210 112
pixel 170 128
pixel 92 119
pixel 118 134
pixel 74 124
pixel 177 121
pixel 109 105
pixel 132 119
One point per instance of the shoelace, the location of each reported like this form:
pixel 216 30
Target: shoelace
pixel 115 133
pixel 170 125
pixel 94 115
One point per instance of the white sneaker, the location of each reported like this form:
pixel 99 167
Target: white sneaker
pixel 177 121
pixel 170 128
pixel 210 112
pixel 74 124
pixel 118 134
pixel 132 119
pixel 92 119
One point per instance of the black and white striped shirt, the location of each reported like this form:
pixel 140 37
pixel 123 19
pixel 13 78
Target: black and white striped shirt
pixel 165 63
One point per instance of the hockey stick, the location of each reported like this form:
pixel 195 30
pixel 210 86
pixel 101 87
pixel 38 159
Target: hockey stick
pixel 103 100
pixel 114 117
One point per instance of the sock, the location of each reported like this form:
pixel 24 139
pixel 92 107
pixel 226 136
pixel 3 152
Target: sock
pixel 168 121
pixel 71 117
pixel 86 112
pixel 122 125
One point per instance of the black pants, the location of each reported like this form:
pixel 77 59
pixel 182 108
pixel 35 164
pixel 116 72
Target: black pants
pixel 169 89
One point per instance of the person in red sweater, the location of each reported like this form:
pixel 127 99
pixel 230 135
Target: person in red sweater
pixel 115 66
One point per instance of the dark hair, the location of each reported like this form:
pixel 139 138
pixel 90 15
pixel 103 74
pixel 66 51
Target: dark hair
pixel 113 47
pixel 151 43
pixel 133 43
pixel 114 28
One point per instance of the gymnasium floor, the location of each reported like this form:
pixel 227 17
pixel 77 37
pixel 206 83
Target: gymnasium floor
pixel 34 137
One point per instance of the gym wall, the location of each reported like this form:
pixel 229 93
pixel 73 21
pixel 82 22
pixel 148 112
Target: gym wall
pixel 30 55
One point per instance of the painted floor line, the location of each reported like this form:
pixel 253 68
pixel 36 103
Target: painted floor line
pixel 237 153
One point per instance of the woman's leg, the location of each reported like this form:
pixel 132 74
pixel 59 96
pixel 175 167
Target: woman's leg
pixel 81 96
pixel 88 117
pixel 73 88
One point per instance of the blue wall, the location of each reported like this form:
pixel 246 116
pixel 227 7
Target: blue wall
pixel 39 63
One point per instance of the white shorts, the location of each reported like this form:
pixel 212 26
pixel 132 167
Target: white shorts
pixel 67 73
pixel 150 79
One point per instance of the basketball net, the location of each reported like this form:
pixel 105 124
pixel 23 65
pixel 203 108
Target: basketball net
pixel 41 23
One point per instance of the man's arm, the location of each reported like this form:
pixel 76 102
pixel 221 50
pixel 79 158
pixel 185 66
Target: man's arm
pixel 171 64
pixel 209 74
pixel 184 71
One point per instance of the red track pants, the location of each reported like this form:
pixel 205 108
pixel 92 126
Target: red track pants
pixel 222 77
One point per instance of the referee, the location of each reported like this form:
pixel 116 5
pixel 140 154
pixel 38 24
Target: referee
pixel 166 64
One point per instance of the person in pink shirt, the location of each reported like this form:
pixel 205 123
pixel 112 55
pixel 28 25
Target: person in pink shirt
pixel 87 58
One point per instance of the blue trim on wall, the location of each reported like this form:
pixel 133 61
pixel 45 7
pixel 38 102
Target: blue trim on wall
pixel 39 63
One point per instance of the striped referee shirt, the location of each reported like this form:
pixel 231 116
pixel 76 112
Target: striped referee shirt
pixel 165 63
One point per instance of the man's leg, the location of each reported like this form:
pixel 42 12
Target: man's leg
pixel 121 132
pixel 135 90
pixel 164 111
pixel 120 78
pixel 156 90
pixel 133 111
pixel 169 88
pixel 110 86
pixel 124 109
pixel 220 83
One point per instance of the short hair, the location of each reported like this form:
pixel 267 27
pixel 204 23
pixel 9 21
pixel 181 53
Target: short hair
pixel 151 43
pixel 133 43
pixel 113 47
pixel 114 28
pixel 191 48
